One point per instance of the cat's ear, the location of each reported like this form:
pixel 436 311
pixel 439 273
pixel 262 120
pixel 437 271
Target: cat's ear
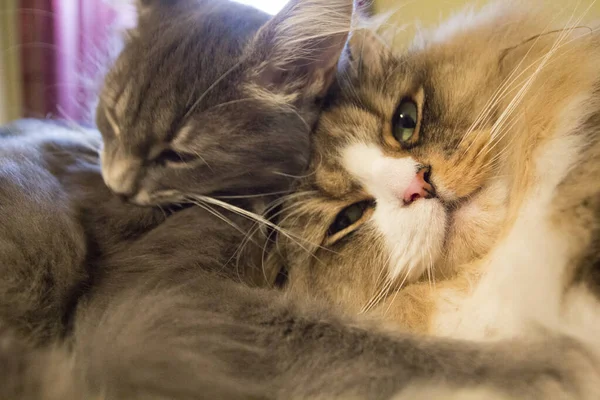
pixel 365 49
pixel 297 51
pixel 145 7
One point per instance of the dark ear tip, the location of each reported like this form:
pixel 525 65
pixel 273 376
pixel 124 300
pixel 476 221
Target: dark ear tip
pixel 363 8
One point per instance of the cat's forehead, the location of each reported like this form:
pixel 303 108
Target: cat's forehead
pixel 163 90
pixel 174 70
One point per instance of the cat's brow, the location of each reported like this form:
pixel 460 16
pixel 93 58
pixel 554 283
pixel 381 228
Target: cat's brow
pixel 112 121
pixel 365 105
pixel 120 105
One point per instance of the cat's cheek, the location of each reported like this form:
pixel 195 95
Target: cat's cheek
pixel 442 190
pixel 414 236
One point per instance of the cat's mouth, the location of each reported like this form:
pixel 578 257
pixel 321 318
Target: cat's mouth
pixel 451 209
pixel 454 205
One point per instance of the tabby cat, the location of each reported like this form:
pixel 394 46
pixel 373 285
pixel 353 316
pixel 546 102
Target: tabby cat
pixel 159 324
pixel 454 188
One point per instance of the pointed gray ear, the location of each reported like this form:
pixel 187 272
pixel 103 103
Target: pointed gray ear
pixel 365 48
pixel 298 49
pixel 146 7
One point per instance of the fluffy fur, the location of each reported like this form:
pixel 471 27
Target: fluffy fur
pixel 196 335
pixel 59 221
pixel 507 102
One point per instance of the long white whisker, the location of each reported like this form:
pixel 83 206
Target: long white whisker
pixel 386 286
pixel 251 196
pixel 496 128
pixel 255 217
pixel 220 216
pixel 486 113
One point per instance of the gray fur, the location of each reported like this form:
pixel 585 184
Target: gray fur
pixel 194 73
pixel 196 335
pixel 58 220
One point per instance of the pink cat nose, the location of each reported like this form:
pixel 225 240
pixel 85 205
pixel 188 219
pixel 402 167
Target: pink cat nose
pixel 419 187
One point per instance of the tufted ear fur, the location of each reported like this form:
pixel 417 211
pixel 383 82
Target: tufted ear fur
pixel 298 49
pixel 365 49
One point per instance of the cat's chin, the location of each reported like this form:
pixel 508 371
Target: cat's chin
pixel 473 226
pixel 414 235
pixel 433 236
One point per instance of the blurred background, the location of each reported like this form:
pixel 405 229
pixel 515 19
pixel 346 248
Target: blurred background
pixel 53 53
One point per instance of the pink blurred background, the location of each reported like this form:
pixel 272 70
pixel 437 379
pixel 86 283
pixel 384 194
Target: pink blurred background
pixel 64 48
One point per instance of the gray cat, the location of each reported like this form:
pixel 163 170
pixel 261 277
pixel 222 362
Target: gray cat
pixel 238 104
pixel 164 317
pixel 196 94
pixel 61 223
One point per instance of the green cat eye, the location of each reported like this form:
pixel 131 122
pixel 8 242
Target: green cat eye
pixel 349 216
pixel 404 122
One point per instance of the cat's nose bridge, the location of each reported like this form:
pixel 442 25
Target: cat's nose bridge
pixel 394 175
pixel 120 175
pixel 387 178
